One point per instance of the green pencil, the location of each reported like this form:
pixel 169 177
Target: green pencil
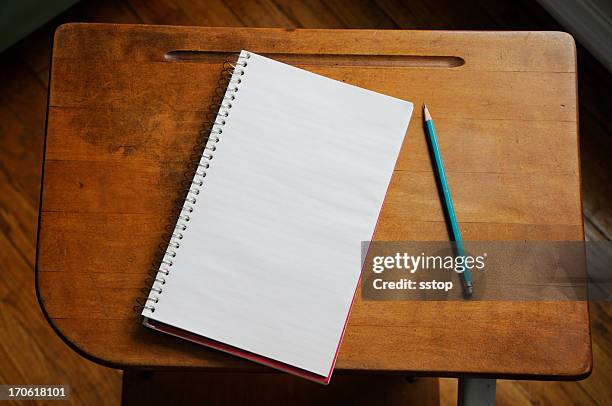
pixel 466 276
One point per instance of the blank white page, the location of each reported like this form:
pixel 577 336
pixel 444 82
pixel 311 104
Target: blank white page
pixel 272 255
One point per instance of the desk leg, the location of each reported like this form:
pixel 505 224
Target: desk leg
pixel 476 392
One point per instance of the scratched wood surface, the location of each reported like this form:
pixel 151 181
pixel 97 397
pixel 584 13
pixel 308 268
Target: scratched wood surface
pixel 123 116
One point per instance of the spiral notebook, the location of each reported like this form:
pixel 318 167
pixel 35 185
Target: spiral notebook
pixel 265 258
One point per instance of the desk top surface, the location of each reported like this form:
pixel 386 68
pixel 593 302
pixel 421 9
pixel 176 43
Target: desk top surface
pixel 125 106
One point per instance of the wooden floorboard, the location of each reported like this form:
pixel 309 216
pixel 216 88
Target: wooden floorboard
pixel 30 350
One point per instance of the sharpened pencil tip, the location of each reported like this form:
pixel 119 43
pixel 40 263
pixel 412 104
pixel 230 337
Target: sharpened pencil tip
pixel 426 113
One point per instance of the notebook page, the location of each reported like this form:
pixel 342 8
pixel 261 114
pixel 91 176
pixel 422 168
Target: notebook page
pixel 272 256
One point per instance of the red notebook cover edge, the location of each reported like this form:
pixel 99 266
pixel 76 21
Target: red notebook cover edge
pixel 229 349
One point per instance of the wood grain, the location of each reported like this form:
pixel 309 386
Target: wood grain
pixel 122 118
pixel 30 350
pixel 22 134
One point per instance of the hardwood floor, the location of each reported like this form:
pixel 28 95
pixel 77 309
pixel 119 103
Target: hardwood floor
pixel 30 352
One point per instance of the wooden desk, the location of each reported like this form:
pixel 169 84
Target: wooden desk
pixel 124 114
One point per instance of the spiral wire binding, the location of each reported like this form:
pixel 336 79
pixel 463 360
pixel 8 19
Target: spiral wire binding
pixel 199 162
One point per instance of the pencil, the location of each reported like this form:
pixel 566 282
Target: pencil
pixel 466 276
